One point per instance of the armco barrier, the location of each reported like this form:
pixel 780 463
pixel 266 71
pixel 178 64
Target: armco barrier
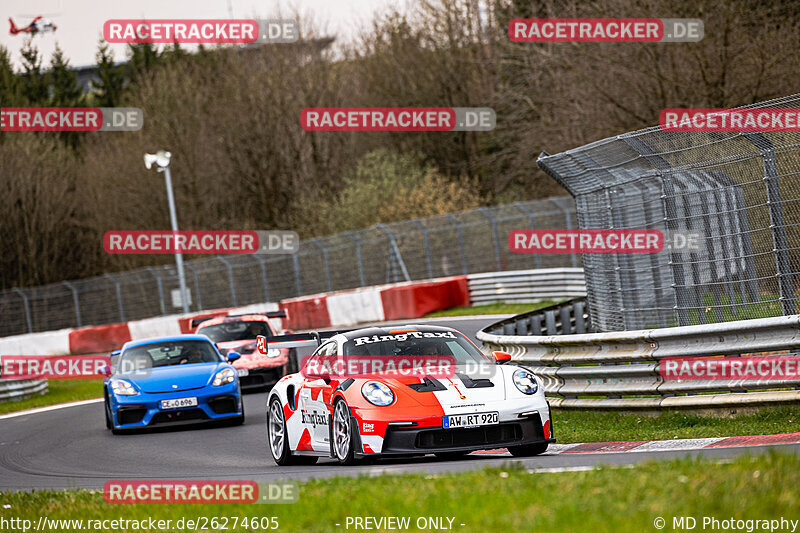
pixel 519 286
pixel 620 370
pixel 18 389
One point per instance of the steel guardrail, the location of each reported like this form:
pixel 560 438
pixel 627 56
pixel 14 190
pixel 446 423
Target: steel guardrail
pixel 526 285
pixel 621 370
pixel 23 388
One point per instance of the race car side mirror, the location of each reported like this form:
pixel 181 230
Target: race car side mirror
pixel 501 358
pixel 233 356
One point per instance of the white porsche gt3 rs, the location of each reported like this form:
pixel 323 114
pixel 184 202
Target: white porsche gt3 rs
pixel 352 400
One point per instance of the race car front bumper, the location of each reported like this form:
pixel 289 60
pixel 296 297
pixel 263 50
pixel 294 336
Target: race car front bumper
pixel 410 440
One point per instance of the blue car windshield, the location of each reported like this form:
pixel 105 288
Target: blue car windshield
pixel 168 354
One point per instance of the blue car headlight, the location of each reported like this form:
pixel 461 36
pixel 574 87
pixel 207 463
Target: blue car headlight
pixel 224 376
pixel 377 393
pixel 123 387
pixel 525 381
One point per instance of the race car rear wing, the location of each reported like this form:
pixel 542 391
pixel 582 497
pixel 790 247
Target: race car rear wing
pixel 269 314
pixel 310 339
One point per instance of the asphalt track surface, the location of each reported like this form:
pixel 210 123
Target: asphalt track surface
pixel 70 448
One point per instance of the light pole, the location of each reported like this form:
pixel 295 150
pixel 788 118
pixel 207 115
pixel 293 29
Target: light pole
pixel 162 159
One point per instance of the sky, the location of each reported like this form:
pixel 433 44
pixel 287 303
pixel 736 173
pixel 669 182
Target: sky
pixel 80 22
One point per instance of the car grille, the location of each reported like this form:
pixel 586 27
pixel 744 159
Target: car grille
pixel 452 438
pixel 178 416
pixel 261 377
pixel 223 405
pixel 131 414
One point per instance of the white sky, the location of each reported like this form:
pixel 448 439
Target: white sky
pixel 80 22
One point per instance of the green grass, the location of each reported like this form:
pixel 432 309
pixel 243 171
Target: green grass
pixel 594 426
pixel 61 390
pixel 491 309
pixel 603 500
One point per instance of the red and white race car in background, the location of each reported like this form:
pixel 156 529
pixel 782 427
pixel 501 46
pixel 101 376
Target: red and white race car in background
pixel 238 333
pixel 312 415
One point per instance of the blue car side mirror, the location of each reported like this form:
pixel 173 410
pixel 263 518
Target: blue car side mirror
pixel 233 356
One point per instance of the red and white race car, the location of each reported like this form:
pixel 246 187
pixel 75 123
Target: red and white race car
pixel 357 412
pixel 238 333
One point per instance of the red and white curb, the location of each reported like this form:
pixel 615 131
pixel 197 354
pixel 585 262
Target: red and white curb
pixel 665 445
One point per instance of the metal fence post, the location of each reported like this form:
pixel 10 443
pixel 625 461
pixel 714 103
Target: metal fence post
pixel 493 224
pixel 777 222
pixel 75 301
pixel 537 259
pixel 359 260
pixel 462 251
pixel 119 296
pixel 427 244
pixel 26 306
pixel 230 279
pixel 568 220
pixel 324 251
pixel 264 282
pixel 393 247
pixel 160 285
pixel 297 280
pixel 198 297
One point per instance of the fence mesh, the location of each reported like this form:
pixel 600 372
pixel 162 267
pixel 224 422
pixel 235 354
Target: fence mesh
pixel 460 243
pixel 739 190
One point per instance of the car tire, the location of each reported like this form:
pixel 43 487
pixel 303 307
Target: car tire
pixel 450 455
pixel 528 450
pixel 239 420
pixel 107 409
pixel 279 447
pixel 342 434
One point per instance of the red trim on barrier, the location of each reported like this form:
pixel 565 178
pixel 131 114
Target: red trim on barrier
pixel 307 312
pixel 418 299
pixel 96 339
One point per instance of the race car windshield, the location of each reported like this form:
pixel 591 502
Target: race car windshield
pixel 236 331
pixel 416 343
pixel 169 354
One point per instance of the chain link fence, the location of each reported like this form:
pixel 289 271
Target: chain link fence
pixel 740 191
pixel 459 243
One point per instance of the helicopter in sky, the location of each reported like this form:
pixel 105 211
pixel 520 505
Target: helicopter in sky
pixel 38 25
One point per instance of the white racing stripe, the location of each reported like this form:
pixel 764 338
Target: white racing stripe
pixel 55 407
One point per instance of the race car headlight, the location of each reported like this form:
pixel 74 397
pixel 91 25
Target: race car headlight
pixel 525 381
pixel 123 387
pixel 273 353
pixel 224 376
pixel 377 393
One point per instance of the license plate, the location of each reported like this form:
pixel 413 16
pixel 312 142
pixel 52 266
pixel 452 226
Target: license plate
pixel 243 372
pixel 177 403
pixel 470 420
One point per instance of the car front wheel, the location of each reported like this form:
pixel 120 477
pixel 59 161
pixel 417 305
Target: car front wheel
pixel 528 450
pixel 342 431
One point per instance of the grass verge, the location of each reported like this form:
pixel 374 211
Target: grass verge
pixel 511 499
pixel 593 426
pixel 61 391
pixel 491 309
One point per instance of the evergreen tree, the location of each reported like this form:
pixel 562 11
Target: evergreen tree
pixel 142 58
pixel 34 81
pixel 110 78
pixel 65 91
pixel 10 86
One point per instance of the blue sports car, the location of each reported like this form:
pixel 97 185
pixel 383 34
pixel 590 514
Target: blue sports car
pixel 170 380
